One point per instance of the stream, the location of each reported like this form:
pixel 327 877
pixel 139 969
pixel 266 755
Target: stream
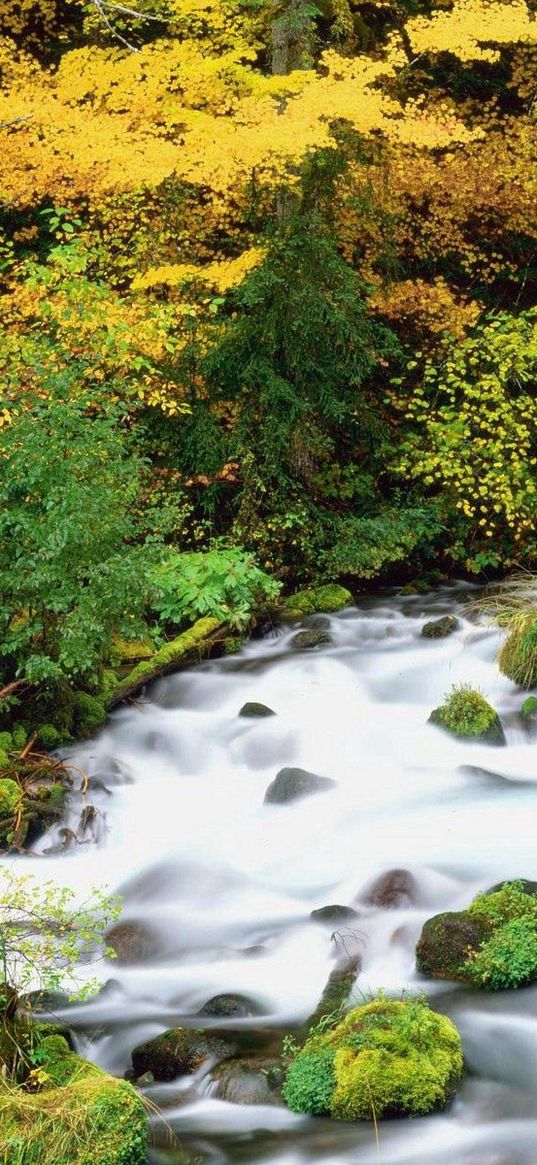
pixel 224 884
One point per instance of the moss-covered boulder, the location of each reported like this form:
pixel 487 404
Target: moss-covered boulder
pixel 248 1081
pixel 178 1052
pixel 89 714
pixel 448 941
pixel 518 657
pixel 492 944
pixel 316 600
pixel 466 714
pixel 78 1116
pixel 387 1058
pixel 440 628
pixel 31 799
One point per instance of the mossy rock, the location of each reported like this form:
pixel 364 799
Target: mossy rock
pixel 291 783
pixel 528 710
pixel 178 1052
pixel 387 1058
pixel 131 650
pixel 440 628
pixel 492 944
pixel 80 1116
pixel 89 714
pixel 518 657
pixel 316 600
pixel 448 941
pixel 307 640
pixel 248 1081
pixel 467 715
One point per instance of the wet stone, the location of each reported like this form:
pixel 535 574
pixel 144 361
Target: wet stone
pixel 249 1081
pixel 133 942
pixel 307 640
pixel 396 888
pixel 440 628
pixel 332 915
pixel 228 1007
pixel 290 784
pixel 252 711
pixel 178 1052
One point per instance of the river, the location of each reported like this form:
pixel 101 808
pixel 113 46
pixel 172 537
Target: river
pixel 225 883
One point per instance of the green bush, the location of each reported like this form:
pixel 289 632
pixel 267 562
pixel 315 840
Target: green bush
pixel 220 584
pixel 509 958
pixel 386 1058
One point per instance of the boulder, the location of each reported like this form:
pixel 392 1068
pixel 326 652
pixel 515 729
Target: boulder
pixel 251 710
pixel 178 1052
pixel 290 784
pixel 446 942
pixel 317 599
pixel 396 888
pixel 334 915
pixel 133 942
pixel 467 715
pixel 306 640
pixel 440 628
pixel 228 1007
pixel 249 1081
pixel 387 1058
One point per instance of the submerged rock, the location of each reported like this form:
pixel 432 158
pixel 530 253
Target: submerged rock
pixel 290 784
pixel 493 943
pixel 334 914
pixel 178 1052
pixel 133 942
pixel 249 1081
pixel 387 1058
pixel 228 1007
pixel 440 628
pixel 306 640
pixel 252 710
pixel 396 888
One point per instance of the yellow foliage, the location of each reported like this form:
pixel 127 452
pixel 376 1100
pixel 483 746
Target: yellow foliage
pixel 220 275
pixel 473 30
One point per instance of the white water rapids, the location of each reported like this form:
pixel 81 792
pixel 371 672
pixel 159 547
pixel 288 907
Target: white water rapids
pixel 227 883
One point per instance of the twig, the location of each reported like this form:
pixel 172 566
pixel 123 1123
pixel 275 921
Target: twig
pixel 99 6
pixel 132 12
pixel 103 6
pixel 7 125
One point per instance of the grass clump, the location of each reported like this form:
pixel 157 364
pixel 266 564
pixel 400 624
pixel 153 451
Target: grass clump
pixel 466 713
pixel 386 1058
pixel 513 605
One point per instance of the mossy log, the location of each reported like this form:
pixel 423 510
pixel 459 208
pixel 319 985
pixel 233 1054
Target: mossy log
pixel 190 647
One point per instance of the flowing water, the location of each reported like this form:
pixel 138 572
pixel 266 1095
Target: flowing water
pixel 224 884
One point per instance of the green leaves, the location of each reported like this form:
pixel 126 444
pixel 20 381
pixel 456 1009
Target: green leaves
pixel 223 584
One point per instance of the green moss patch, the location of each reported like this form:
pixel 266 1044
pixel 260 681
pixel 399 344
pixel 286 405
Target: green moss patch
pixel 387 1058
pixel 316 600
pixel 493 943
pixel 78 1116
pixel 466 714
pixel 187 648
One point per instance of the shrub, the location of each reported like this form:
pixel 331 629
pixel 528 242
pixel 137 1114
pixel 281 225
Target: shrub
pixel 221 584
pixel 509 958
pixel 386 1058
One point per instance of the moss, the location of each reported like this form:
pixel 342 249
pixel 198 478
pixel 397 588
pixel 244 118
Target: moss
pixel 80 1116
pixel 186 648
pixel 316 599
pixel 20 736
pixel 10 797
pixel 529 707
pixel 4 759
pixel 466 714
pixel 501 948
pixel 89 714
pixel 386 1058
pixel 6 741
pixel 518 657
pixel 49 737
pixel 131 650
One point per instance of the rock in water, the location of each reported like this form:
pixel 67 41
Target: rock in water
pixel 334 915
pixel 394 888
pixel 447 941
pixel 388 1058
pixel 228 1007
pixel 178 1052
pixel 306 640
pixel 253 710
pixel 440 628
pixel 249 1081
pixel 290 784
